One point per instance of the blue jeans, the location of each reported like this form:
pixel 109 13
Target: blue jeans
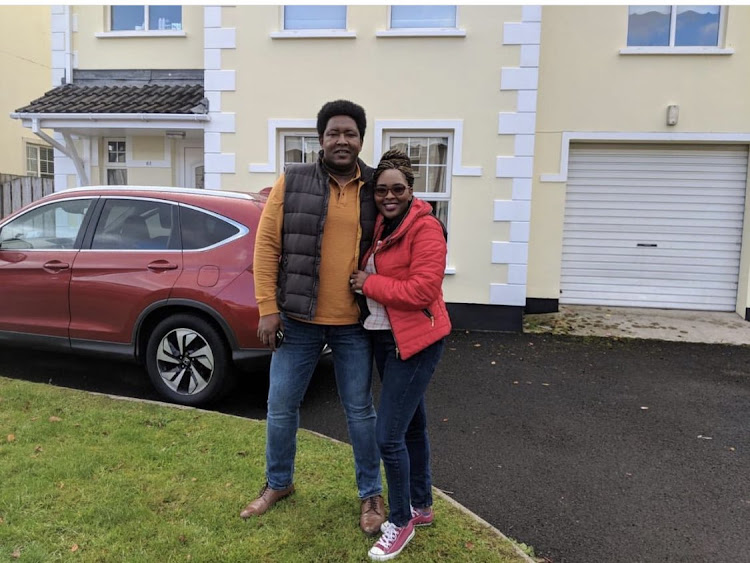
pixel 402 424
pixel 292 366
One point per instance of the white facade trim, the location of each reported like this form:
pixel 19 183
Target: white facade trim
pixel 313 34
pixel 676 51
pixel 148 34
pixel 215 81
pixel 422 32
pixel 273 126
pixel 454 125
pixel 626 136
pixel 518 167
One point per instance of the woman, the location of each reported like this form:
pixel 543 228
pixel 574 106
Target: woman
pixel 405 312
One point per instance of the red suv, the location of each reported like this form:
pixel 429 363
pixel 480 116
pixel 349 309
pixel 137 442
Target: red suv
pixel 160 275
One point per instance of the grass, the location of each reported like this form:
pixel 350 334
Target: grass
pixel 89 478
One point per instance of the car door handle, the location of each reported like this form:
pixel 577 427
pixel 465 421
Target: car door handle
pixel 161 265
pixel 56 266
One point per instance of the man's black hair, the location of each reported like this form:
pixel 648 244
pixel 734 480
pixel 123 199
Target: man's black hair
pixel 342 107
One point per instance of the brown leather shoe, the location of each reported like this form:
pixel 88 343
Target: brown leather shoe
pixel 372 515
pixel 266 499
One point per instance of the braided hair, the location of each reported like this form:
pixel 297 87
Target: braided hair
pixel 395 159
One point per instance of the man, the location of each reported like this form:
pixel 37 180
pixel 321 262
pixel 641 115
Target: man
pixel 317 222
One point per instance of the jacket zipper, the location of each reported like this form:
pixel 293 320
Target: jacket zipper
pixel 429 316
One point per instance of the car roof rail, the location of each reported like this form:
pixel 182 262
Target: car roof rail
pixel 168 189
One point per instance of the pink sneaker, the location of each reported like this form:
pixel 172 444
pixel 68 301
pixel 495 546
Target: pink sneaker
pixel 392 542
pixel 421 516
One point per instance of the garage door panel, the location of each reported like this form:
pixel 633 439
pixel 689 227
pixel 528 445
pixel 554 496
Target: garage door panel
pixel 657 279
pixel 646 302
pixel 686 200
pixel 614 267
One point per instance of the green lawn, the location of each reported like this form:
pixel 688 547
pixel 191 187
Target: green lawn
pixel 90 478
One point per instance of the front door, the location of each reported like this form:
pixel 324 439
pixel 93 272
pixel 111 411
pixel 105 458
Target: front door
pixel 193 167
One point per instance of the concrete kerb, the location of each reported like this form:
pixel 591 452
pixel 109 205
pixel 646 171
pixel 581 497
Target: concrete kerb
pixel 521 553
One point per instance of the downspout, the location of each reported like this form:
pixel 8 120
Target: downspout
pixel 68 46
pixel 68 149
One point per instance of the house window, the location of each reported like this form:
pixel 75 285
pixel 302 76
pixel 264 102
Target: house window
pixel 116 168
pixel 674 26
pixel 314 17
pixel 299 148
pixel 40 161
pixel 145 18
pixel 430 155
pixel 411 17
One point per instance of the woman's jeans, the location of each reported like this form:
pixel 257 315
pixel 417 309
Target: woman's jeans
pixel 292 367
pixel 402 424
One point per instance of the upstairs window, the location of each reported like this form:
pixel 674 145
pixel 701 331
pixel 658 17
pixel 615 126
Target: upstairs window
pixel 674 26
pixel 146 18
pixel 413 17
pixel 314 17
pixel 40 161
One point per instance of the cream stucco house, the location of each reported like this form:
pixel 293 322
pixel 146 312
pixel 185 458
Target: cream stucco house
pixel 542 135
pixel 25 63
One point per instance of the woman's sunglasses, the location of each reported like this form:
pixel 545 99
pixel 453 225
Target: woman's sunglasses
pixel 397 191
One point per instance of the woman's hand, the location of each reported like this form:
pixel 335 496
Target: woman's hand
pixel 357 280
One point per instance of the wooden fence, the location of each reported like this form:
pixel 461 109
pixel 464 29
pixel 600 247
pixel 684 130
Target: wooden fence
pixel 17 191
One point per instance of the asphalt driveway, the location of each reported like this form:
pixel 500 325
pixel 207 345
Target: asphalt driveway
pixel 588 449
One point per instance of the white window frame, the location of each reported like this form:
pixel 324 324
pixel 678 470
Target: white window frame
pixel 445 196
pixel 284 135
pixel 456 31
pixel 671 49
pixel 38 172
pixel 284 33
pixel 141 32
pixel 114 165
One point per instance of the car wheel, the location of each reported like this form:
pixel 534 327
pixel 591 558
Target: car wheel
pixel 187 360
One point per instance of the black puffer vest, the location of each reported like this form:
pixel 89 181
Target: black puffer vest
pixel 306 195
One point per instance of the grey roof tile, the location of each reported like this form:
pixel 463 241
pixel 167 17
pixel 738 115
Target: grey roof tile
pixel 151 98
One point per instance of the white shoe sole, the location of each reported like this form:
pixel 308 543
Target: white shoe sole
pixel 389 556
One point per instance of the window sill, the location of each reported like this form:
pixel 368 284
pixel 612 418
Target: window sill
pixel 154 33
pixel 676 51
pixel 422 32
pixel 313 34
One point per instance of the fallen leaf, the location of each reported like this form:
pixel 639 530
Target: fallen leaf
pixel 193 479
pixel 38 449
pixel 55 419
pixel 515 383
pixel 61 485
pixel 545 384
pixel 445 420
pixel 477 345
pixel 74 548
pixel 16 554
pixel 182 539
pixel 242 454
pixel 644 408
pixel 469 545
pixel 731 448
pixel 11 437
pixel 493 363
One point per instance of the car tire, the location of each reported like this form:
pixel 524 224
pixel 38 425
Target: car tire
pixel 188 361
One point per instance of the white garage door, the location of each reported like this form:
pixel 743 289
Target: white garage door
pixel 653 226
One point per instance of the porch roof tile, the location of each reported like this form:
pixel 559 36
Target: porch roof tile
pixel 151 98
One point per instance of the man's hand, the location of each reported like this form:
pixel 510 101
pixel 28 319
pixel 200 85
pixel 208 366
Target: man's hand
pixel 267 327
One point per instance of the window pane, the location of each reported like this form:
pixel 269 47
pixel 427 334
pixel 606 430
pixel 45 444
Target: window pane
pixel 697 25
pixel 117 177
pixel 201 230
pixel 32 162
pixel 126 18
pixel 52 226
pixel 299 149
pixel 314 17
pixel 648 26
pixel 129 224
pixel 440 209
pixel 423 16
pixel 312 148
pixel 292 150
pixel 165 17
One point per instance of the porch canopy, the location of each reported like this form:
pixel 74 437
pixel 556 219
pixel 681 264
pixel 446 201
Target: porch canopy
pixel 110 107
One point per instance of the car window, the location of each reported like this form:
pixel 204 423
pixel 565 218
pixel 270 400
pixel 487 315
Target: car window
pixel 136 224
pixel 201 229
pixel 52 226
